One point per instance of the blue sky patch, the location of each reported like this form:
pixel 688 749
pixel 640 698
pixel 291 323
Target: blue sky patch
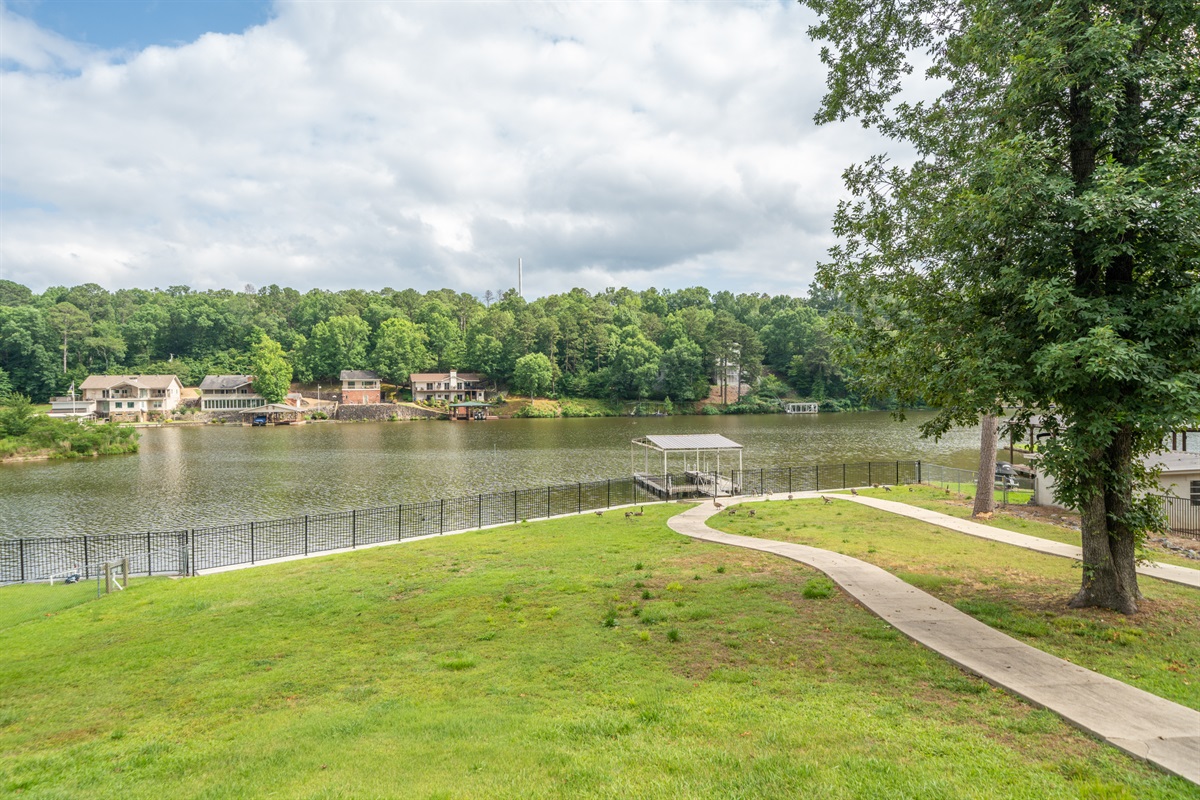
pixel 138 24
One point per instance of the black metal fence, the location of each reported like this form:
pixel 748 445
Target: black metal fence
pixel 1183 516
pixel 186 552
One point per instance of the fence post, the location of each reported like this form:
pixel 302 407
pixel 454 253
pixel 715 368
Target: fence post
pixel 579 498
pixel 547 502
pixel 306 534
pixel 192 539
pixel 480 510
pixel 149 556
pixel 86 562
pixel 399 522
pixel 514 505
pixel 251 542
pixel 843 474
pixel 353 528
pixel 870 481
pixel 918 470
pixel 897 483
pixel 789 480
pixel 818 469
pixel 609 492
pixel 442 518
pixel 21 556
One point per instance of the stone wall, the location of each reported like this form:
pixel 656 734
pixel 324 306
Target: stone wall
pixel 381 412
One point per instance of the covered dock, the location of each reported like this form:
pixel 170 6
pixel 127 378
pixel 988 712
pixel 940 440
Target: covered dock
pixel 471 409
pixel 697 460
pixel 276 414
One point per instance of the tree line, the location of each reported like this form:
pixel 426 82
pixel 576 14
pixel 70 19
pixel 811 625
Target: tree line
pixel 618 343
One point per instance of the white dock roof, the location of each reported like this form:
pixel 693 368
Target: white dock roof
pixel 688 441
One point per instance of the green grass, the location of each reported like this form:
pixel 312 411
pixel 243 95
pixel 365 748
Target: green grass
pixel 1020 592
pixel 481 665
pixel 936 499
pixel 25 602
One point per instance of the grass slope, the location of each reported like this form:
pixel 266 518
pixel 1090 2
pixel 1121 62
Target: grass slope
pixel 1018 591
pixel 590 657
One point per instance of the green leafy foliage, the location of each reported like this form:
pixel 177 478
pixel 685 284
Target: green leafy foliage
pixel 1042 250
pixel 400 350
pixel 272 373
pixel 533 374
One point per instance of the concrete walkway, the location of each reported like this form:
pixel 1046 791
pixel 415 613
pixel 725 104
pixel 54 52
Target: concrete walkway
pixel 1152 569
pixel 1144 725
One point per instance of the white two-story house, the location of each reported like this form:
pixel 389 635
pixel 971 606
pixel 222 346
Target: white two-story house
pixel 449 386
pixel 132 396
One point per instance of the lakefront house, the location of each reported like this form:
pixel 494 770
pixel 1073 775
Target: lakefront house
pixel 449 386
pixel 135 397
pixel 229 393
pixel 360 386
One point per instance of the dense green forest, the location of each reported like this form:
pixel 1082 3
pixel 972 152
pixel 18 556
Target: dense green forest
pixel 617 343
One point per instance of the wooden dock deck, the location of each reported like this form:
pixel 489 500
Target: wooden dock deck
pixel 713 485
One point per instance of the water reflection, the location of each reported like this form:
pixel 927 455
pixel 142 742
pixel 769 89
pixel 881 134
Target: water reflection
pixel 197 476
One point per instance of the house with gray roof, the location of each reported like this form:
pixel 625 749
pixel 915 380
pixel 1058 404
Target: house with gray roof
pixel 229 393
pixel 360 386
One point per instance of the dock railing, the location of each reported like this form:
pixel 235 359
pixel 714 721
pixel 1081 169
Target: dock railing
pixel 194 550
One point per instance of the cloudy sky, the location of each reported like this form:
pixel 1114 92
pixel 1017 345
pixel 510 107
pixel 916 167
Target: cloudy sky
pixel 368 144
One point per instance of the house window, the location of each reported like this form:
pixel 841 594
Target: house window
pixel 1196 493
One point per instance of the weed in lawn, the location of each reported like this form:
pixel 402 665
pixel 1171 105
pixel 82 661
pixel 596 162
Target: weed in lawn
pixel 721 569
pixel 458 663
pixel 818 588
pixel 646 595
pixel 673 635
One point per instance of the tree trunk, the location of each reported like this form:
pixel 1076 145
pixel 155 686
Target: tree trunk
pixel 1109 546
pixel 985 499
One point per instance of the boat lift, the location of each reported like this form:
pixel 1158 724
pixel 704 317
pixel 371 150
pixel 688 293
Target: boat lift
pixel 701 455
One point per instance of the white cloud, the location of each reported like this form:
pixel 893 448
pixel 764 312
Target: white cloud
pixel 427 144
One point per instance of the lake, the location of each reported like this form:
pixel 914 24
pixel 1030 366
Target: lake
pixel 197 476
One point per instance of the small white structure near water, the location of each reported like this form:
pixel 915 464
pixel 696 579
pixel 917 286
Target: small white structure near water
pixel 801 408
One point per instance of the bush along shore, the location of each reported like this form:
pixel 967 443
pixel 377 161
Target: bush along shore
pixel 27 435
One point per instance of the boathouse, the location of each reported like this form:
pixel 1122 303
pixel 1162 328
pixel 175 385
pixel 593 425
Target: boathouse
pixel 696 459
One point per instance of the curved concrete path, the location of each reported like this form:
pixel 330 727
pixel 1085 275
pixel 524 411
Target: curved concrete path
pixel 1144 725
pixel 1152 569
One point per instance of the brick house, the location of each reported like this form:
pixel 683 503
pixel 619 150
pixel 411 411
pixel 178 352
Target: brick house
pixel 359 386
pixel 449 386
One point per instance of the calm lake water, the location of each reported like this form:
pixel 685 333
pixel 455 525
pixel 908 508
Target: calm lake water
pixel 196 476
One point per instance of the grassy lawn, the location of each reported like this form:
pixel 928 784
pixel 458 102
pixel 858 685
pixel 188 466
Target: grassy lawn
pixel 1018 591
pixel 936 499
pixel 591 657
pixel 24 602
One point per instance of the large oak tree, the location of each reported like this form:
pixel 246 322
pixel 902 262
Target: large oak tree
pixel 1042 249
